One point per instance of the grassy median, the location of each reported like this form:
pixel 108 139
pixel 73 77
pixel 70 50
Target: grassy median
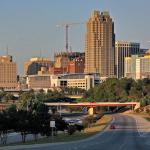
pixel 64 137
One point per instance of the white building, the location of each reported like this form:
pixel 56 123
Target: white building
pixel 138 67
pixel 83 81
pixel 43 81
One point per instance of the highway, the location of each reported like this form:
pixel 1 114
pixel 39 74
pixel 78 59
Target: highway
pixel 124 137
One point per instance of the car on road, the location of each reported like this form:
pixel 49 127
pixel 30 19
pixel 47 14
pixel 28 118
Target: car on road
pixel 112 126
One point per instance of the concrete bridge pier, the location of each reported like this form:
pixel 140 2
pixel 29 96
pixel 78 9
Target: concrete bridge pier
pixel 59 109
pixel 108 108
pixel 137 105
pixel 91 111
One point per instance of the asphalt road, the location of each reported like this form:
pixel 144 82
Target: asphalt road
pixel 124 137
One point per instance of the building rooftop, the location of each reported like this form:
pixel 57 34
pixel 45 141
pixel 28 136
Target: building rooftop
pixel 77 75
pixel 126 42
pixel 4 59
pixel 39 59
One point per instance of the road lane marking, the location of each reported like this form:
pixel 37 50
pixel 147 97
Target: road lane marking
pixel 148 142
pixel 122 145
pixel 140 132
pixel 137 126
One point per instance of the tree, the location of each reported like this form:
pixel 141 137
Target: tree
pixel 2 94
pixel 41 96
pixel 35 120
pixel 25 97
pixel 8 96
pixel 23 123
pixel 7 122
pixel 119 90
pixel 34 125
pixel 3 128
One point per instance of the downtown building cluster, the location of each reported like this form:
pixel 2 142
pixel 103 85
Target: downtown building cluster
pixel 104 57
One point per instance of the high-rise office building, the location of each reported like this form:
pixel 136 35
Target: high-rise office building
pixel 8 73
pixel 124 49
pixel 100 45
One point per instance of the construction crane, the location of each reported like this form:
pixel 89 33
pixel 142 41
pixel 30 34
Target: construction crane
pixel 67 25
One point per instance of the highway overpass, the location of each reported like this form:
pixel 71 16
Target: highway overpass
pixel 91 105
pixel 4 106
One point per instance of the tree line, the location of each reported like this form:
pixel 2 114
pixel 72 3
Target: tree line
pixel 113 90
pixel 34 118
pixel 120 90
pixel 51 95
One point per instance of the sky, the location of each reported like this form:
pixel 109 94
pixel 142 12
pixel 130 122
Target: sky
pixel 28 27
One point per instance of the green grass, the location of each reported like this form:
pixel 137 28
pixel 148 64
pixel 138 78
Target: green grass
pixel 99 125
pixel 64 137
pixel 147 118
pixel 58 138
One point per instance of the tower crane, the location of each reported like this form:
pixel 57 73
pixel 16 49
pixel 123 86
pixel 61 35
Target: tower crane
pixel 67 25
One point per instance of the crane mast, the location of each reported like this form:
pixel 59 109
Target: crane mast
pixel 67 42
pixel 67 25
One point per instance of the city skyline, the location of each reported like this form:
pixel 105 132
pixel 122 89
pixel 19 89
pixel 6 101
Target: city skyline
pixel 28 27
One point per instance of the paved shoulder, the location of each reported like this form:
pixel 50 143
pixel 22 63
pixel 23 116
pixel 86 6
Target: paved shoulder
pixel 143 126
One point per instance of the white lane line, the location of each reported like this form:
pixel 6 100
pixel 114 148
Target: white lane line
pixel 122 145
pixel 137 127
pixel 148 142
pixel 140 132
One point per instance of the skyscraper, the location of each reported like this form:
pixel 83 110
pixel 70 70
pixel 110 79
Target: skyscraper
pixel 8 73
pixel 100 45
pixel 124 49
